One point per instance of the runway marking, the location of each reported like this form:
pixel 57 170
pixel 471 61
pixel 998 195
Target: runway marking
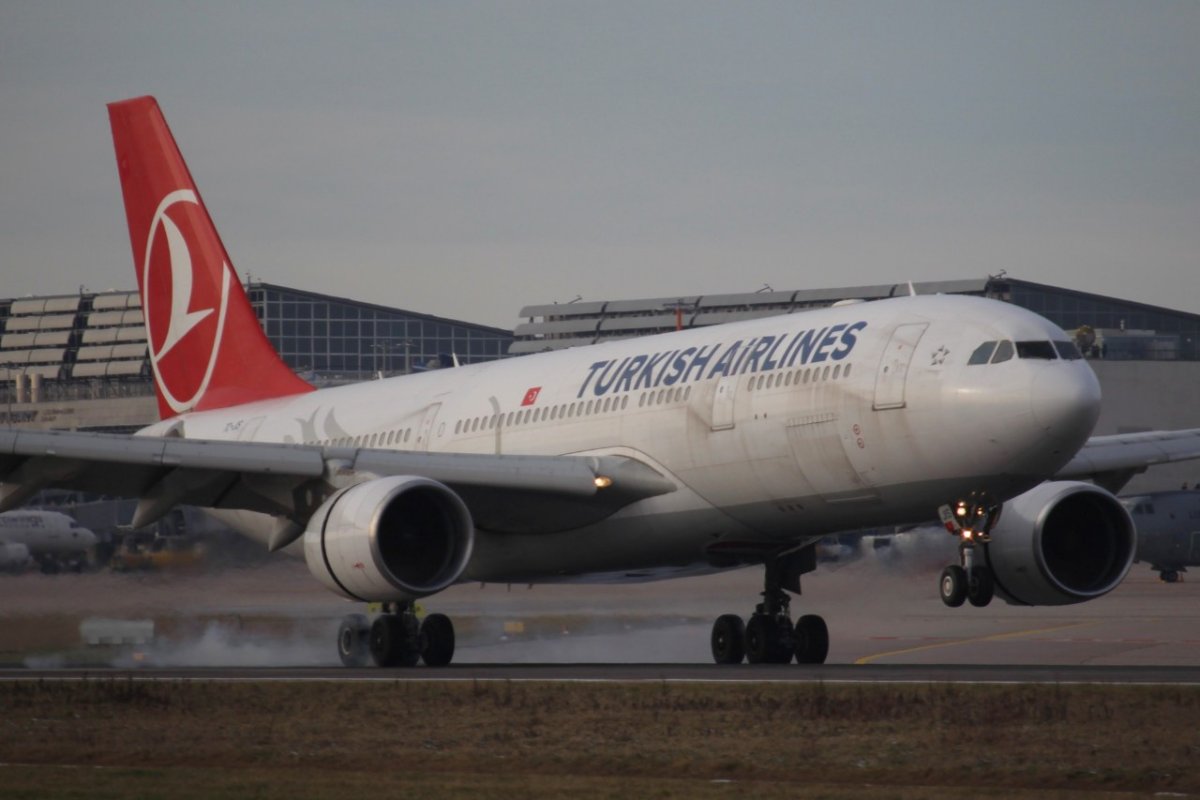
pixel 996 637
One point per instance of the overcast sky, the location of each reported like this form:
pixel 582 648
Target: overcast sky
pixel 467 159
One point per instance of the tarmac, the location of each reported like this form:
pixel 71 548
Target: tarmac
pixel 886 622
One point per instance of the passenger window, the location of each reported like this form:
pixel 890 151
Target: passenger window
pixel 1043 350
pixel 982 353
pixel 1004 351
pixel 1068 350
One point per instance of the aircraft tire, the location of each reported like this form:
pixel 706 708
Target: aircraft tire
pixel 981 586
pixel 437 640
pixel 768 640
pixel 354 641
pixel 729 639
pixel 953 585
pixel 392 643
pixel 811 635
pixel 1170 576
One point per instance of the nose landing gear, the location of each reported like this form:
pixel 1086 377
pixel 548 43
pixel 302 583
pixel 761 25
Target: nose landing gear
pixel 769 637
pixel 970 580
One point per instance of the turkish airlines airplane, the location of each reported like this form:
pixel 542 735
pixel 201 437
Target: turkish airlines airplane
pixel 632 460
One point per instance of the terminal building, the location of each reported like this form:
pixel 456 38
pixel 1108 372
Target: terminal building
pixel 1108 327
pixel 81 361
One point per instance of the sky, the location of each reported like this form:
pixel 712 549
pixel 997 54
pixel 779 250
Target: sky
pixel 467 159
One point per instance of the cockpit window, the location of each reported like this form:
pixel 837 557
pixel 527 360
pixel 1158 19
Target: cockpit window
pixel 1068 350
pixel 1004 351
pixel 982 353
pixel 1036 350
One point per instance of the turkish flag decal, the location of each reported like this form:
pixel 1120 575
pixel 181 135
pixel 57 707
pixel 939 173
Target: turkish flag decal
pixel 531 396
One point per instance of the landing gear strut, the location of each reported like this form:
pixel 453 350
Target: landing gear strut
pixel 970 580
pixel 769 637
pixel 397 638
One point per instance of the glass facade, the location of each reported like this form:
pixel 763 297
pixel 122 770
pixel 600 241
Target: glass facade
pixel 1124 330
pixel 1104 327
pixel 338 339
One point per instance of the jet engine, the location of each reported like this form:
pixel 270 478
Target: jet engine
pixel 14 557
pixel 396 538
pixel 1060 543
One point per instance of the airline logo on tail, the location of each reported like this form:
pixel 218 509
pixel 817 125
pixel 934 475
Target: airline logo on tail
pixel 207 348
pixel 189 317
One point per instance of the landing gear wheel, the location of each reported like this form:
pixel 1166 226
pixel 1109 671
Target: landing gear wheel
pixel 354 641
pixel 768 640
pixel 953 585
pixel 394 641
pixel 437 640
pixel 729 639
pixel 811 636
pixel 1170 576
pixel 981 586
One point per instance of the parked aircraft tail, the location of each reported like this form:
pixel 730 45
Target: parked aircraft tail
pixel 207 349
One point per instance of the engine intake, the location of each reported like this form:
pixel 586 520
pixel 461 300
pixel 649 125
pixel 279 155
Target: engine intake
pixel 1060 543
pixel 395 538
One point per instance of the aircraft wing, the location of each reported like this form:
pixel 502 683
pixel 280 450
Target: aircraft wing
pixel 503 492
pixel 1111 461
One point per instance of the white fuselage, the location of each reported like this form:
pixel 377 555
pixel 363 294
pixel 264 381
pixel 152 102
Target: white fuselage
pixel 776 430
pixel 45 533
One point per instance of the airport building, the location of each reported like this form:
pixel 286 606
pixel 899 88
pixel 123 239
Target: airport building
pixel 81 361
pixel 1108 327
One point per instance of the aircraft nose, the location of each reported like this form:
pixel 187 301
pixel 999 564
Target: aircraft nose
pixel 1065 400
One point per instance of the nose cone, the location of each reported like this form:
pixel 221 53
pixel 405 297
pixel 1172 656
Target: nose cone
pixel 1065 401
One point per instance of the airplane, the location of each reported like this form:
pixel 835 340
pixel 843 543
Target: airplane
pixel 1168 530
pixel 53 539
pixel 678 454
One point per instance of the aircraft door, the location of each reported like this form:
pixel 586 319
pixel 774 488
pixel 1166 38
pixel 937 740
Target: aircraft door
pixel 425 429
pixel 893 366
pixel 723 403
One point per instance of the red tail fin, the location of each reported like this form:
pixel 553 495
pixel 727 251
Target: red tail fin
pixel 206 346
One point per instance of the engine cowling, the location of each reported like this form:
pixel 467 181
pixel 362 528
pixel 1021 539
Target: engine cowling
pixel 1060 543
pixel 396 538
pixel 14 556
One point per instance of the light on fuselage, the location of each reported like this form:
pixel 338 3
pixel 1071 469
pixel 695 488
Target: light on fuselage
pixel 603 481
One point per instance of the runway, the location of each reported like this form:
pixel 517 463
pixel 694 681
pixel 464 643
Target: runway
pixel 885 622
pixel 649 673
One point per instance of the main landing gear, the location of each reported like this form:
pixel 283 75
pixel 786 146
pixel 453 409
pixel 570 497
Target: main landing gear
pixel 769 637
pixel 396 638
pixel 971 579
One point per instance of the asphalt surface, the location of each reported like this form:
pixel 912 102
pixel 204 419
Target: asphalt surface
pixel 274 622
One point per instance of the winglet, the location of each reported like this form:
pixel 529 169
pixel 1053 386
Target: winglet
pixel 207 349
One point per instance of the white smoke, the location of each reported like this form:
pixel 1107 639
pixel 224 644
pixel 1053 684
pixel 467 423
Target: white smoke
pixel 224 645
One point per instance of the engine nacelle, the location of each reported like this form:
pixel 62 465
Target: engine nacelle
pixel 14 556
pixel 1059 543
pixel 395 538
